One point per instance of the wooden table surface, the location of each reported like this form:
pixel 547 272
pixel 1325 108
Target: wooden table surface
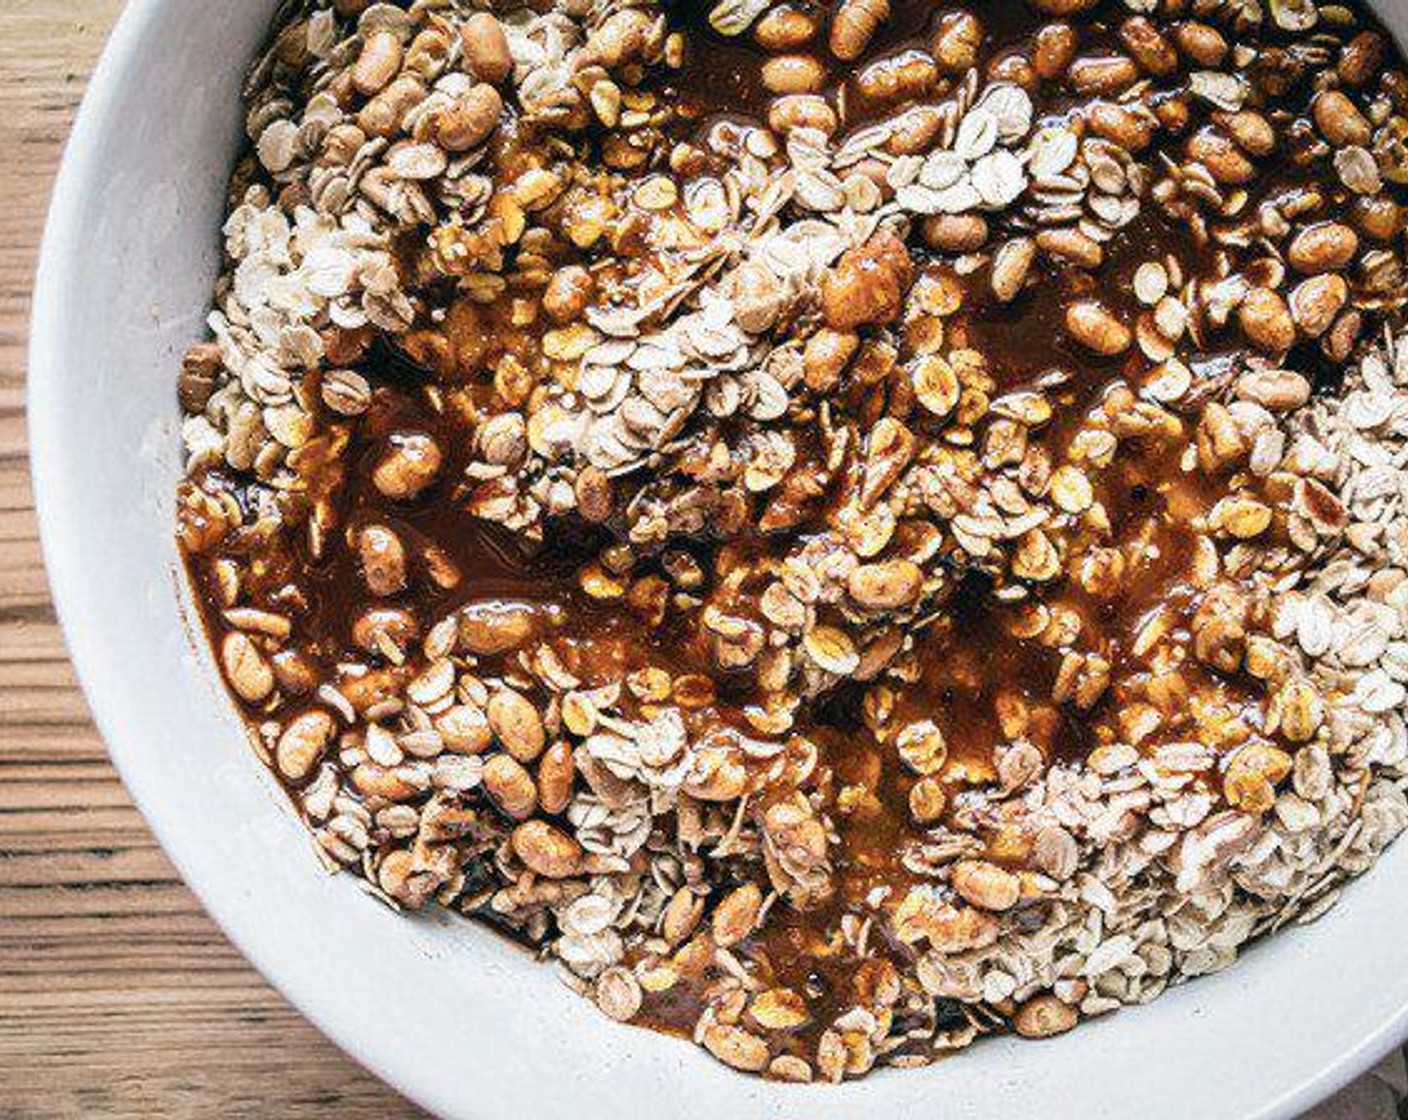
pixel 118 996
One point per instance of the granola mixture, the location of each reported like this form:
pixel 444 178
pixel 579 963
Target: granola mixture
pixel 849 526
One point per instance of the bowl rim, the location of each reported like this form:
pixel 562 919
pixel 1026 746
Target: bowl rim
pixel 56 492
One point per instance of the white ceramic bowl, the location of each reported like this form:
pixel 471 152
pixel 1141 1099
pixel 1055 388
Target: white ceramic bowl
pixel 448 1013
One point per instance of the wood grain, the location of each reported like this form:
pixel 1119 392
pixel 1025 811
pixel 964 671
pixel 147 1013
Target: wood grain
pixel 118 996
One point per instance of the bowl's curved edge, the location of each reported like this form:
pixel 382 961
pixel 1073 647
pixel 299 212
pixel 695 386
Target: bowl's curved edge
pixel 55 493
pixel 56 497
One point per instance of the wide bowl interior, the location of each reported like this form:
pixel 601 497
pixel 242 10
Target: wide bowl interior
pixel 448 1013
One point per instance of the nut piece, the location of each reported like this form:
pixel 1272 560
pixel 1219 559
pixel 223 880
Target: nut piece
pixel 1339 119
pixel 247 670
pixel 1252 132
pixel 825 358
pixel 958 929
pixel 302 744
pixel 784 29
pixel 464 730
pixel 986 885
pixel 556 774
pixel 568 293
pixel 383 560
pixel 1223 159
pixel 922 747
pixel 779 1009
pixel 621 39
pixel 199 371
pixel 737 915
pixel 1317 302
pixel 1201 43
pixel 385 114
pixel 1053 49
pixel 1301 710
pixel 1252 776
pixel 956 233
pixel 1362 58
pixel 1279 390
pixel 957 41
pixel 486 53
pixel 1105 74
pixel 802 110
pixel 546 850
pixel 373 780
pixel 1072 246
pixel 898 78
pixel 378 63
pixel 793 73
pixel 1154 53
pixel 1043 1017
pixel 1266 321
pixel 927 800
pixel 886 586
pixel 682 915
pixel 379 629
pixel 1095 328
pixel 867 286
pixel 1323 247
pixel 733 1045
pixel 511 786
pixel 1129 130
pixel 517 723
pixel 1011 267
pixel 409 467
pixel 854 25
pixel 595 494
pixel 469 121
pixel 496 627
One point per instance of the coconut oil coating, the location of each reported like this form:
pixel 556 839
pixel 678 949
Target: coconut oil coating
pixel 980 659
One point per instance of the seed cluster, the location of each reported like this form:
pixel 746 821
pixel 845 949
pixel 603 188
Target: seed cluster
pixel 851 526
